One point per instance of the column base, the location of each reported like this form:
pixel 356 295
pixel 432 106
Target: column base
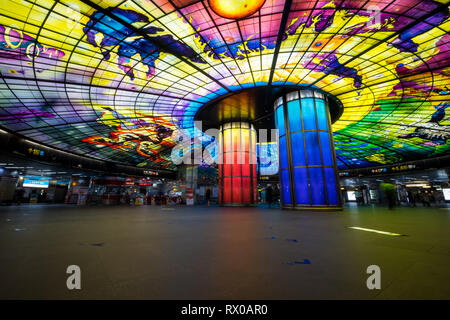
pixel 237 205
pixel 313 208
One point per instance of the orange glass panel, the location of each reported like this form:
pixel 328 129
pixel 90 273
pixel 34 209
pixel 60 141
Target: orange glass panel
pixel 245 139
pixel 227 141
pixel 236 139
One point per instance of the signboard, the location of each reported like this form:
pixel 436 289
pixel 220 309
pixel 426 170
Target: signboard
pixel 189 196
pixel 151 173
pixel 446 192
pixel 36 182
pixel 267 154
pixel 36 152
pixel 351 195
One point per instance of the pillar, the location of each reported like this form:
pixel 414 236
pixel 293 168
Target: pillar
pixel 237 164
pixel 308 170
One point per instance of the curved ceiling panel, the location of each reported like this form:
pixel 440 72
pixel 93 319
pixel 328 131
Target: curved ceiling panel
pixel 113 79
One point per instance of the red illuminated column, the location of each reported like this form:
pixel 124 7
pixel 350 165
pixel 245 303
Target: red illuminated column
pixel 237 164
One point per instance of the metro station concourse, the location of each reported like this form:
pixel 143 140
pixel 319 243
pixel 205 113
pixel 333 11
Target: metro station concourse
pixel 206 149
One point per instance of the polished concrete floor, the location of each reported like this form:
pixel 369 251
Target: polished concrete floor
pixel 222 253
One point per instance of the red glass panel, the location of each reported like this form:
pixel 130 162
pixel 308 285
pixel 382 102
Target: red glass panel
pixel 237 190
pixel 227 170
pixel 227 190
pixel 246 158
pixel 246 190
pixel 246 170
pixel 236 170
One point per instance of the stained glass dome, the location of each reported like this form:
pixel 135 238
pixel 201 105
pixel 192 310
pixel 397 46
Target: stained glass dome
pixel 113 79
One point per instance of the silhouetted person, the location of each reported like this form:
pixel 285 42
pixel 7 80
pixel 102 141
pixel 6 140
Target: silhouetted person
pixel 208 197
pixel 160 198
pixel 133 199
pixel 418 197
pixel 263 195
pixel 359 198
pixel 18 195
pixel 412 198
pixel 426 200
pixel 276 194
pixel 432 198
pixel 44 196
pixel 269 195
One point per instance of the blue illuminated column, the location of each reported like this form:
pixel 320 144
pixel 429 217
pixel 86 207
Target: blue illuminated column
pixel 308 171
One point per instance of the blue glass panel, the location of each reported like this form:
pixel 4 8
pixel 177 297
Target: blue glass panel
pixel 298 150
pixel 280 120
pixel 312 148
pixel 321 114
pixel 317 185
pixel 301 186
pixel 309 116
pixel 283 153
pixel 295 119
pixel 286 187
pixel 326 149
pixel 331 186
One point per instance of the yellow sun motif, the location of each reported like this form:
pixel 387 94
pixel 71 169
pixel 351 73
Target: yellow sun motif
pixel 235 9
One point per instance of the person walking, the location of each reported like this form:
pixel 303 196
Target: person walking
pixel 18 195
pixel 426 199
pixel 269 197
pixel 432 198
pixel 412 198
pixel 208 197
pixel 418 196
pixel 276 195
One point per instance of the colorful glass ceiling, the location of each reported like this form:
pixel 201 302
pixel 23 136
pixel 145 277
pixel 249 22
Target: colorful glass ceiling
pixel 112 79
